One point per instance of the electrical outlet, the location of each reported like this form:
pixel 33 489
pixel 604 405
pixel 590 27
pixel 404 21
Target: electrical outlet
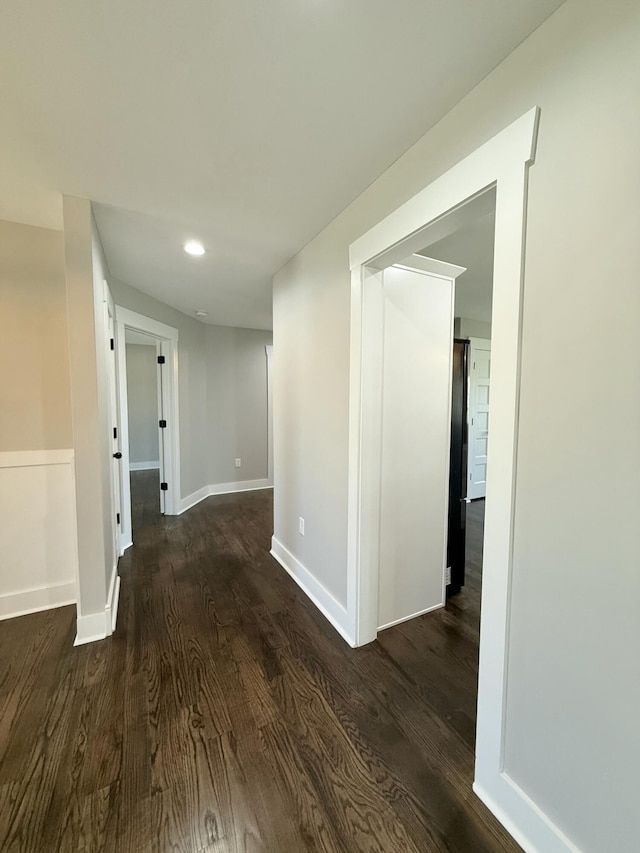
pixel 447 576
pixel 301 526
pixel 238 462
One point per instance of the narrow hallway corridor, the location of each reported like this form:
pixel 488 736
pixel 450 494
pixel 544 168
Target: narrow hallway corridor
pixel 225 713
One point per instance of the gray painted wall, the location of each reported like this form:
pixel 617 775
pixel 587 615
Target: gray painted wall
pixel 463 327
pixel 223 394
pixel 572 739
pixel 237 399
pixel 142 403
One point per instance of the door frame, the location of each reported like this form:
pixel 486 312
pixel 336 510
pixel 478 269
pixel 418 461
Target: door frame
pixel 269 354
pixel 474 347
pixel 114 420
pixel 499 166
pixel 167 338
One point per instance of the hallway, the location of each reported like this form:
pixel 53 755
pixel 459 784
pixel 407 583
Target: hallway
pixel 225 714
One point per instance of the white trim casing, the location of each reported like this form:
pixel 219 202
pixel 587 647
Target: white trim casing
pixel 332 609
pixel 221 489
pixel 501 163
pixel 126 319
pixel 269 353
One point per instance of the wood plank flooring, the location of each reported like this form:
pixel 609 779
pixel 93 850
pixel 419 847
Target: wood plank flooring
pixel 226 715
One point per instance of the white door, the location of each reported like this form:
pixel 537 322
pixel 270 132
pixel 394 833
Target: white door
pixel 478 417
pixel 416 430
pixel 114 435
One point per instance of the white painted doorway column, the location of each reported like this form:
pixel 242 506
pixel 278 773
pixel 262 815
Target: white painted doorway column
pixel 416 342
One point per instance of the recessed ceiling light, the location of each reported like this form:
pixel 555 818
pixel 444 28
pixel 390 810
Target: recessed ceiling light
pixel 192 247
pixel 201 314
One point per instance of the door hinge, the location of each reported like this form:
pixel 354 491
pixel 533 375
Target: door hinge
pixel 112 344
pixel 160 359
pixel 162 424
pixel 164 486
pixel 115 432
pixel 117 518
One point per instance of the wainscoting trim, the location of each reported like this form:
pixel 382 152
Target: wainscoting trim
pixel 37 531
pixel 29 458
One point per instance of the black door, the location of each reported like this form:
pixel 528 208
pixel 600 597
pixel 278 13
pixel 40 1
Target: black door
pixel 458 468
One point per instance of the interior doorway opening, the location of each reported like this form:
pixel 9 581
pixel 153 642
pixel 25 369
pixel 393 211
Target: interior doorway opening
pixel 144 414
pixel 147 357
pixel 471 246
pixel 493 176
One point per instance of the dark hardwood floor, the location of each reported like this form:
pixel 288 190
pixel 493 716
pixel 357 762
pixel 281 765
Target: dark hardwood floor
pixel 225 714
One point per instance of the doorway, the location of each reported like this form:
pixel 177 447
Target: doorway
pixel 495 174
pixel 144 414
pixel 153 349
pixel 472 246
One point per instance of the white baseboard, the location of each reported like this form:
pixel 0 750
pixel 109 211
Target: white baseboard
pixel 326 603
pixel 193 499
pixel 241 486
pixel 144 466
pixel 91 627
pixel 222 489
pixel 534 830
pixel 98 626
pixel 413 616
pixel 33 600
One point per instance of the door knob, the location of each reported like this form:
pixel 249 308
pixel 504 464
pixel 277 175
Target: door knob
pixel 117 455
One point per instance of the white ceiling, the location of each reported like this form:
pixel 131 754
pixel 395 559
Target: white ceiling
pixel 471 247
pixel 244 123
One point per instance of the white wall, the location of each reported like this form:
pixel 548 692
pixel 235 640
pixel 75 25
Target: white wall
pixel 107 417
pixel 88 408
pixel 572 741
pixel 142 405
pixel 416 423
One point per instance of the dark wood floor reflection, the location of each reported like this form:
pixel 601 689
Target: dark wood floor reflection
pixel 226 715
